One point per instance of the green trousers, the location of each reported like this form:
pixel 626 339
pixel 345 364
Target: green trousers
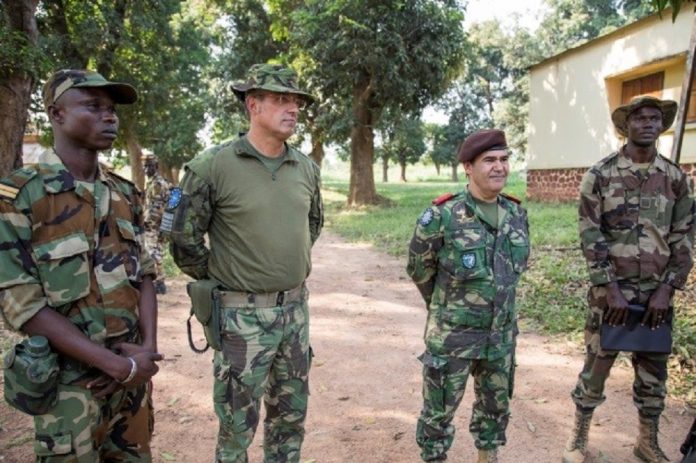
pixel 444 383
pixel 265 353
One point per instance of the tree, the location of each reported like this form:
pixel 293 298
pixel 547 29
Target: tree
pixel 377 56
pixel 20 65
pixel 404 143
pixel 445 140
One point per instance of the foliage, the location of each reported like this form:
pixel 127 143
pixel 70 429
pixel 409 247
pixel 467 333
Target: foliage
pixel 375 57
pixel 404 142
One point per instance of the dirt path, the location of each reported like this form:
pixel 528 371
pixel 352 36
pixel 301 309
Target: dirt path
pixel 366 332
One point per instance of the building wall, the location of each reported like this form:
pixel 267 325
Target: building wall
pixel 572 96
pixel 551 185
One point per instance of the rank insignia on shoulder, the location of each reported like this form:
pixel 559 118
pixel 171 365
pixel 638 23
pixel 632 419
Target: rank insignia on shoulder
pixel 443 198
pixel 426 218
pixel 469 260
pixel 511 198
pixel 174 198
pixel 8 192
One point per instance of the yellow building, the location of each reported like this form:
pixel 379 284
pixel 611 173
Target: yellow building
pixel 573 94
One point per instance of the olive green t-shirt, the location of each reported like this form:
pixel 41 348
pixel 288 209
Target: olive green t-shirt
pixel 489 212
pixel 261 218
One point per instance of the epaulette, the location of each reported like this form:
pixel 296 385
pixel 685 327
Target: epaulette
pixel 111 173
pixel 443 198
pixel 511 198
pixel 11 185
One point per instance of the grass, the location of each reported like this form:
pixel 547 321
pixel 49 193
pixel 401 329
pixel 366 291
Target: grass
pixel 551 294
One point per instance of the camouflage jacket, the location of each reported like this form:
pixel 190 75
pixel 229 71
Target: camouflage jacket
pixel 637 229
pixel 260 224
pixel 156 197
pixel 72 248
pixel 467 273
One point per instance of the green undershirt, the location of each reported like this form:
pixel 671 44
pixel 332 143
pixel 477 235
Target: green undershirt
pixel 489 212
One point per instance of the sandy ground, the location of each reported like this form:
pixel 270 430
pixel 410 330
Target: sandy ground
pixel 366 332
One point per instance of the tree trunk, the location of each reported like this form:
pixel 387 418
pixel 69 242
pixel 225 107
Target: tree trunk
pixel 16 87
pixel 317 153
pixel 170 174
pixel 135 156
pixel 385 169
pixel 362 182
pixel 455 177
pixel 437 168
pixel 403 170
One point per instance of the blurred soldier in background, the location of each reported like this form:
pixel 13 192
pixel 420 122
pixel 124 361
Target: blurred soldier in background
pixel 156 197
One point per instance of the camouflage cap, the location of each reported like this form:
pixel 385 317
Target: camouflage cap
pixel 65 79
pixel 667 107
pixel 270 77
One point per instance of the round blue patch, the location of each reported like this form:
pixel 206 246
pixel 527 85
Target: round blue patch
pixel 426 218
pixel 469 260
pixel 174 198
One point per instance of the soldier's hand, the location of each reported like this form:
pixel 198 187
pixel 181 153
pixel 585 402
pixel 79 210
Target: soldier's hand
pixel 103 386
pixel 616 312
pixel 658 306
pixel 144 359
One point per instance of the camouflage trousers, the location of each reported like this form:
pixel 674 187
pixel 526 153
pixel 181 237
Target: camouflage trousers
pixel 154 243
pixel 444 383
pixel 650 370
pixel 81 429
pixel 265 353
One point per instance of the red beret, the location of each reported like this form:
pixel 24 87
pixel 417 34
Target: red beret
pixel 481 141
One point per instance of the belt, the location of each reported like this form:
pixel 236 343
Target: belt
pixel 244 299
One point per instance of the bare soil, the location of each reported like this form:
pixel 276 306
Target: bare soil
pixel 366 332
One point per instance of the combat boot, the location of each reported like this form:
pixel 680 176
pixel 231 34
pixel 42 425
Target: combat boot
pixel 576 447
pixel 488 456
pixel 647 448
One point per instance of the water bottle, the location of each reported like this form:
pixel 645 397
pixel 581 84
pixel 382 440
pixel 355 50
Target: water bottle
pixel 31 376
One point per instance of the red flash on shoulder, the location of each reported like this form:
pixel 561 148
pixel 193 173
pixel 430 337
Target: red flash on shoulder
pixel 511 198
pixel 443 198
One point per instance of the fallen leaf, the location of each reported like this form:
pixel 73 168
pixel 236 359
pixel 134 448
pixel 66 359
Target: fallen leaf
pixel 172 402
pixel 344 398
pixel 531 427
pixel 398 435
pixel 168 456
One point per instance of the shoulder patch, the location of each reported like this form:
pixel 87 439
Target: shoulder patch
pixel 174 198
pixel 443 198
pixel 511 198
pixel 426 218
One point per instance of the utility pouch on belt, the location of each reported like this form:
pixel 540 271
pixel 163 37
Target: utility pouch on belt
pixel 30 371
pixel 205 305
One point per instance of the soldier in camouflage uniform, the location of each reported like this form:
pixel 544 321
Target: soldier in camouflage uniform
pixel 636 229
pixel 466 256
pixel 156 197
pixel 259 201
pixel 73 269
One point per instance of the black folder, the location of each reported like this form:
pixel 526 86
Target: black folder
pixel 634 337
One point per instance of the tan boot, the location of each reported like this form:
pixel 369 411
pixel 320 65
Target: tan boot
pixel 487 456
pixel 576 447
pixel 647 448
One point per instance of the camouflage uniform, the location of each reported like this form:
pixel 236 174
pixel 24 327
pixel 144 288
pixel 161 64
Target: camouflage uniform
pixel 156 197
pixel 77 249
pixel 467 273
pixel 261 225
pixel 636 229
